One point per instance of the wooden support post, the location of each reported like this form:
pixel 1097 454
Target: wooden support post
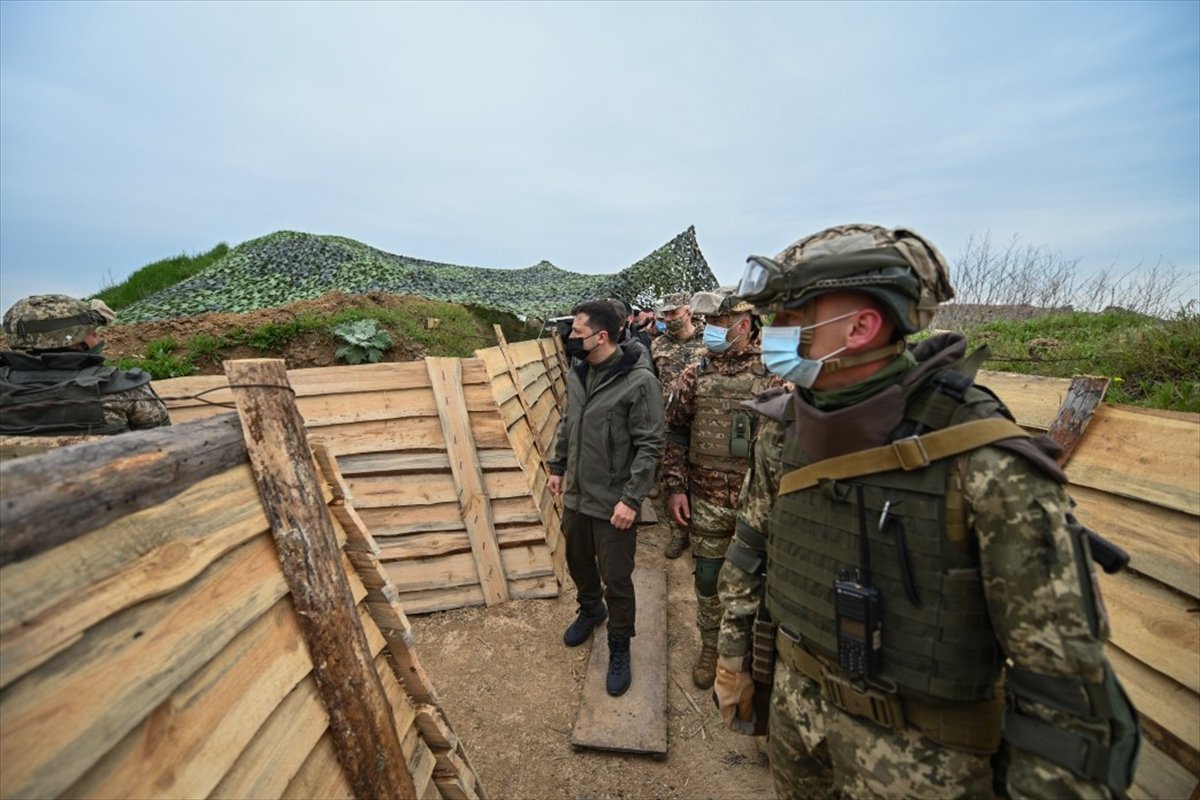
pixel 1076 412
pixel 445 376
pixel 360 719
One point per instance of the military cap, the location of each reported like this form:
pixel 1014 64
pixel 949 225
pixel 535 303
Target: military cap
pixel 672 301
pixel 719 302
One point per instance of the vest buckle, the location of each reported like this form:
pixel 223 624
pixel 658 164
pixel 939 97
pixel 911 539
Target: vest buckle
pixel 910 453
pixel 882 709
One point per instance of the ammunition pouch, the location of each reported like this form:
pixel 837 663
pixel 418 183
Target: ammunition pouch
pixel 748 549
pixel 972 727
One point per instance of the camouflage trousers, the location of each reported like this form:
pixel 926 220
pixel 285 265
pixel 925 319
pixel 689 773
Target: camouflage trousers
pixel 820 751
pixel 711 532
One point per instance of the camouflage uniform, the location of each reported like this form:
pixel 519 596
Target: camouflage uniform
pixel 51 386
pixel 671 356
pixel 1041 604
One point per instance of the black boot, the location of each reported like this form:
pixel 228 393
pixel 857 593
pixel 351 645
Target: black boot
pixel 584 624
pixel 619 675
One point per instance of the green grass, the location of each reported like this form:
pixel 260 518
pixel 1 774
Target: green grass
pixel 161 360
pixel 159 275
pixel 1151 362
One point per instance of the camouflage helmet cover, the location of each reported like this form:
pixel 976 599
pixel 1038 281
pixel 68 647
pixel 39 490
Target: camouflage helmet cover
pixel 672 301
pixel 52 321
pixel 897 266
pixel 719 302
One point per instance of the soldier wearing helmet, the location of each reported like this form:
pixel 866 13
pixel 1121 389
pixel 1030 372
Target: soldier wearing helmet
pixel 708 447
pixel 912 540
pixel 54 381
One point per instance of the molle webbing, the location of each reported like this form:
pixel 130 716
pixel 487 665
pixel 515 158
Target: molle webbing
pixel 721 426
pixel 912 453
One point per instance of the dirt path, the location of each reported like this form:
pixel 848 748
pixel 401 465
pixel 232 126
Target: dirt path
pixel 511 691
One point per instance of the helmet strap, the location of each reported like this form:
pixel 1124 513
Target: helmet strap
pixel 879 353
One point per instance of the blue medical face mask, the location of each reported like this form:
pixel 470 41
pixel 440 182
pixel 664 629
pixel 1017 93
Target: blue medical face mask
pixel 781 353
pixel 662 326
pixel 714 338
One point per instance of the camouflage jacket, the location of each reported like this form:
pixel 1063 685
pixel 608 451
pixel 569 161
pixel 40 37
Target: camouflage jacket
pixel 671 356
pixel 1046 615
pixel 678 473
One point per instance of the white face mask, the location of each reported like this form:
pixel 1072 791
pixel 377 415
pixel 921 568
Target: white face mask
pixel 781 353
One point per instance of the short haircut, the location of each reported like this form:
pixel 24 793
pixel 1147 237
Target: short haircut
pixel 602 316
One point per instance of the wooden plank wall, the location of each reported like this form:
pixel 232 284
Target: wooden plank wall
pixel 1135 475
pixel 530 388
pixel 159 653
pixel 438 530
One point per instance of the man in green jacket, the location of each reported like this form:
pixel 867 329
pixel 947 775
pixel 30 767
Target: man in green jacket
pixel 608 446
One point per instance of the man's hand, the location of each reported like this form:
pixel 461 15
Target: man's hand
pixel 555 485
pixel 623 516
pixel 734 692
pixel 679 508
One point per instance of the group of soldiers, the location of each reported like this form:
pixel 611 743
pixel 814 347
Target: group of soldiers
pixel 889 578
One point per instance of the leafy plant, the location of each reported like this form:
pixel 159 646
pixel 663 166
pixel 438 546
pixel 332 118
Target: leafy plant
pixel 160 360
pixel 364 341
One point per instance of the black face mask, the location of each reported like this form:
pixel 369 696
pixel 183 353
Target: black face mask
pixel 575 348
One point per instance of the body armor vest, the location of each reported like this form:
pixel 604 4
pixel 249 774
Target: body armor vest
pixel 721 427
pixel 60 393
pixel 937 639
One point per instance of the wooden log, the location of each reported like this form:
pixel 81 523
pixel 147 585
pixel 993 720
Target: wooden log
pixel 59 720
pixel 55 497
pixel 361 724
pixel 1076 412
pixel 446 376
pixel 45 608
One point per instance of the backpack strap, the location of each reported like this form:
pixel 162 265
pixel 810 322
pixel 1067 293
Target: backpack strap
pixel 913 452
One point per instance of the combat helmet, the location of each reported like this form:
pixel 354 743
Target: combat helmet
pixel 53 321
pixel 898 266
pixel 719 302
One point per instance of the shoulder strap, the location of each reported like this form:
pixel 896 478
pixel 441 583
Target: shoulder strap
pixel 913 452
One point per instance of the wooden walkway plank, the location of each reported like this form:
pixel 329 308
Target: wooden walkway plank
pixel 635 722
pixel 445 375
pixel 361 723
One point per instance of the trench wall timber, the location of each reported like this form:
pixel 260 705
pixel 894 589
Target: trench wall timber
pixel 194 611
pixel 1135 475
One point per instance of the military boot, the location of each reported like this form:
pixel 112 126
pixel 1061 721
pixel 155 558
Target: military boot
pixel 589 617
pixel 678 543
pixel 705 670
pixel 619 676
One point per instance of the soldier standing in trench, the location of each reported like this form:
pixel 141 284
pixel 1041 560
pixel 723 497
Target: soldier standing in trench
pixel 913 539
pixel 681 343
pixel 708 444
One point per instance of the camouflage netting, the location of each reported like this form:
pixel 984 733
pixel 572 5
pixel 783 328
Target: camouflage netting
pixel 287 266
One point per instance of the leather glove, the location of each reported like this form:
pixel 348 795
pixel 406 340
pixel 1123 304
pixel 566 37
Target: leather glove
pixel 733 690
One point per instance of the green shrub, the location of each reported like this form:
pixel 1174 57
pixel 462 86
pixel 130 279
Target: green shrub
pixel 159 275
pixel 364 341
pixel 160 360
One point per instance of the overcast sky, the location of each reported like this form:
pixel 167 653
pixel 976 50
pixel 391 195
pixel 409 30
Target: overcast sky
pixel 500 134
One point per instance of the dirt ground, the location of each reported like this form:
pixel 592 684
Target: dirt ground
pixel 511 690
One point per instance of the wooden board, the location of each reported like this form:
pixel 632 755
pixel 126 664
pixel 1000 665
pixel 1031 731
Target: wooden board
pixel 1155 625
pixel 1143 455
pixel 1034 400
pixel 635 722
